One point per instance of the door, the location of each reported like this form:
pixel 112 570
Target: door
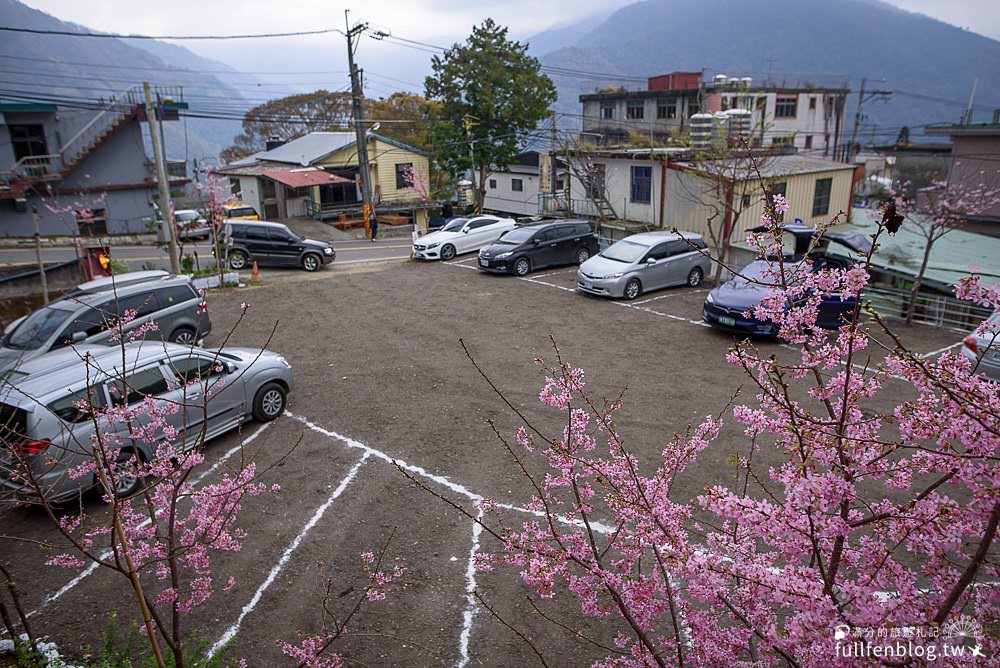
pixel 256 241
pixel 680 262
pixel 654 272
pixel 282 246
pixel 207 397
pixel 546 250
pixel 147 381
pixel 481 232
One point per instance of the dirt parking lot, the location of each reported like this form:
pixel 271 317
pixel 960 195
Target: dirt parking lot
pixel 381 378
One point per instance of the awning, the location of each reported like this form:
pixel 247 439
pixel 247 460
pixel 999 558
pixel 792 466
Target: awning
pixel 304 178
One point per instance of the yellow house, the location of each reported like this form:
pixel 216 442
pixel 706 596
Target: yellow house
pixel 318 175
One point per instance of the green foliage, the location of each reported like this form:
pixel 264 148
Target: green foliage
pixel 116 651
pixel 119 266
pixel 187 263
pixel 495 85
pixel 402 106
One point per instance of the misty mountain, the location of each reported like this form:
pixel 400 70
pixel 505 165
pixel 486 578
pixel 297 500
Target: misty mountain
pixel 79 70
pixel 930 66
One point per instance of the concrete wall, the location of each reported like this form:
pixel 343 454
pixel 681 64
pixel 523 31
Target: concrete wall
pixel 976 161
pixel 126 211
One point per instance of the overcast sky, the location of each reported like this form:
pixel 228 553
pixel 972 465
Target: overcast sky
pixel 390 65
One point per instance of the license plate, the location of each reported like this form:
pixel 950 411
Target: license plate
pixel 484 263
pixel 727 320
pixel 586 284
pixel 995 355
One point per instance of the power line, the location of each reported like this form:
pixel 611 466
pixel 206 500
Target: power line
pixel 69 33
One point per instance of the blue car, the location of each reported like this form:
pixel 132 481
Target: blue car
pixel 726 306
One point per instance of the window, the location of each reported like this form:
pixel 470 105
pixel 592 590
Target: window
pixel 777 189
pixel 693 108
pixel 148 382
pixel 583 228
pixel 785 107
pixel 809 141
pixel 28 141
pixel 92 222
pixel 659 252
pixel 191 369
pixel 608 111
pixel 280 236
pixel 821 197
pixel 404 175
pixel 67 408
pixel 678 247
pixel 493 184
pixel 666 108
pixel 594 181
pixel 745 202
pixel 642 183
pixel 234 187
pixel 254 233
pixel 476 224
pixel 635 110
pixel 90 322
pixel 725 103
pixel 812 104
pixel 517 185
pixel 787 140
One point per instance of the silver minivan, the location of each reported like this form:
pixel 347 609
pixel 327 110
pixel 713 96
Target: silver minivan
pixel 172 302
pixel 644 262
pixel 46 433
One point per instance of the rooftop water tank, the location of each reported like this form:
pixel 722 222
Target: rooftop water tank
pixel 746 82
pixel 720 79
pixel 740 121
pixel 733 81
pixel 701 130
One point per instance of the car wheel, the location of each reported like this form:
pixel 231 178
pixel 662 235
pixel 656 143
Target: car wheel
pixel 237 260
pixel 447 252
pixel 694 277
pixel 183 335
pixel 127 483
pixel 269 402
pixel 582 255
pixel 632 289
pixel 311 262
pixel 522 266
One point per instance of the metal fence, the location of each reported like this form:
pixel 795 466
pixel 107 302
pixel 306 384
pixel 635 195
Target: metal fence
pixel 934 309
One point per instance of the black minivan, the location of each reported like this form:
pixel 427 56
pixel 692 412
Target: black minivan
pixel 536 245
pixel 249 241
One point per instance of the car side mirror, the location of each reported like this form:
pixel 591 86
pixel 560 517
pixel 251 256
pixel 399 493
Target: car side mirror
pixel 78 336
pixel 465 230
pixel 651 261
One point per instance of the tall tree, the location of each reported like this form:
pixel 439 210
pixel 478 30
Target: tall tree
pixel 493 95
pixel 411 117
pixel 288 118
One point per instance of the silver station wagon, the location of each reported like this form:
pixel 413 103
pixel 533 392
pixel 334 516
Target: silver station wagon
pixel 45 434
pixel 644 262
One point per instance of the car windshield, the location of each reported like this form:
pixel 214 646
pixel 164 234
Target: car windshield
pixel 37 328
pixel 625 251
pixel 242 211
pixel 455 225
pixel 295 235
pixel 186 216
pixel 766 273
pixel 517 236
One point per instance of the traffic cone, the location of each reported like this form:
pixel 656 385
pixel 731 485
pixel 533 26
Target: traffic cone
pixel 254 273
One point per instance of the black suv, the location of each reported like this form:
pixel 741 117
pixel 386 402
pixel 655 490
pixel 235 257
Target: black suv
pixel 536 245
pixel 247 241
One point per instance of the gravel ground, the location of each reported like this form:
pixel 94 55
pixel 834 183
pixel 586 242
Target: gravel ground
pixel 381 376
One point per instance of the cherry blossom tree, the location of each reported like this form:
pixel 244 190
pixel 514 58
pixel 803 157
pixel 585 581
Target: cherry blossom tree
pixel 874 519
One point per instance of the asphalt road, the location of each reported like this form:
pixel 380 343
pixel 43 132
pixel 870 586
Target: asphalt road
pixel 146 257
pixel 382 385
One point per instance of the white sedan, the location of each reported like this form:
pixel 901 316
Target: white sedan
pixel 462 235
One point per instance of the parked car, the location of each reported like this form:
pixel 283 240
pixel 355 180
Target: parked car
pixel 537 245
pixel 984 349
pixel 462 235
pixel 247 242
pixel 191 225
pixel 172 302
pixel 643 262
pixel 726 306
pixel 101 284
pixel 44 429
pixel 239 211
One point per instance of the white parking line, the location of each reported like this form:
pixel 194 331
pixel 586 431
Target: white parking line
pixel 554 273
pixel 462 265
pixel 277 568
pixel 935 353
pixel 670 294
pixel 93 566
pixel 470 599
pixel 551 285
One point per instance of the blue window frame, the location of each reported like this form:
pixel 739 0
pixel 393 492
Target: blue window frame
pixel 642 184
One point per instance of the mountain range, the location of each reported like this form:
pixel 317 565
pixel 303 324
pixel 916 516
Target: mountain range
pixel 930 67
pixel 78 70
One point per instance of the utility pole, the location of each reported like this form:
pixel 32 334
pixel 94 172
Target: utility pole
pixel 367 205
pixel 470 121
pixel 857 116
pixel 166 210
pixel 38 254
pixel 553 168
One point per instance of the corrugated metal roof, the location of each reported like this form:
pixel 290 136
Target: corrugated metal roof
pixel 951 258
pixel 770 167
pixel 308 149
pixel 304 177
pixel 244 168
